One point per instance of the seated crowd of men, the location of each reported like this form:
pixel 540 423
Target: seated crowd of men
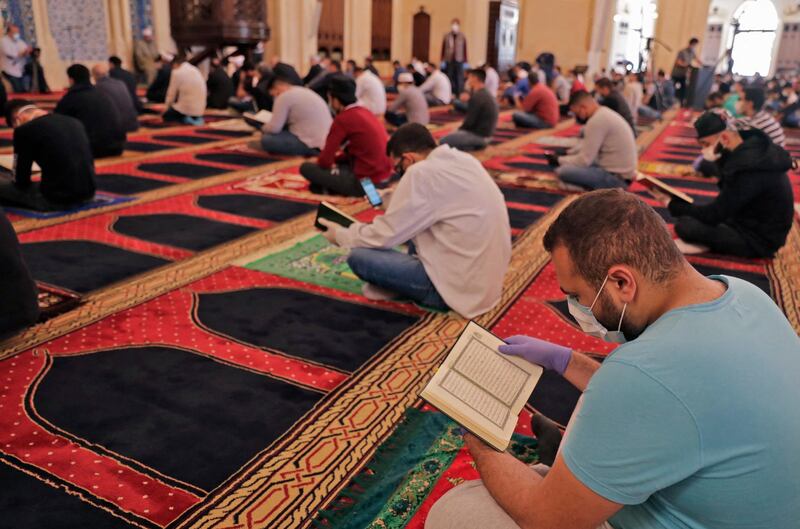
pixel 693 457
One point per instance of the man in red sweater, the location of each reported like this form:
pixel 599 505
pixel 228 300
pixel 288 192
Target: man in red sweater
pixel 354 149
pixel 540 108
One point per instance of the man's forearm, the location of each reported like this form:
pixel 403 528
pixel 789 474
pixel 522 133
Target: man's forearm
pixel 510 481
pixel 580 370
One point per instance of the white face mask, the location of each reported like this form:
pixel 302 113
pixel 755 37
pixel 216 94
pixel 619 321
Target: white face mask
pixel 710 153
pixel 588 322
pixel 455 28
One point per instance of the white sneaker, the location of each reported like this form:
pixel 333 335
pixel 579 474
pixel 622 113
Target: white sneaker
pixel 688 248
pixel 377 293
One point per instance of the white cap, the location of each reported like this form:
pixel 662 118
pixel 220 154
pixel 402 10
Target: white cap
pixel 405 77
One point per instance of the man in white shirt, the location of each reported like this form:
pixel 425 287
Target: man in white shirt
pixel 370 91
pixel 633 93
pixel 453 214
pixel 437 88
pixel 300 120
pixel 15 52
pixel 186 94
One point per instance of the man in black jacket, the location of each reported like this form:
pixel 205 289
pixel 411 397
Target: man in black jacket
pixel 612 98
pixel 219 85
pixel 753 212
pixel 157 91
pixel 20 307
pixel 59 145
pixel 118 72
pixel 97 113
pixel 117 93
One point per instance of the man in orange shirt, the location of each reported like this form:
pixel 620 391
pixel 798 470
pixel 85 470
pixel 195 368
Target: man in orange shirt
pixel 539 108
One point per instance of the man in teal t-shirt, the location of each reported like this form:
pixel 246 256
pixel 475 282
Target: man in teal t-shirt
pixel 694 423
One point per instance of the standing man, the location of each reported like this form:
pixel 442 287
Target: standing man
pixel 454 53
pixel 145 54
pixel 686 59
pixel 15 52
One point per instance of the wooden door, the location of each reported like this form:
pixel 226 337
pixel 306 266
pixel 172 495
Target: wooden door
pixel 381 30
pixel 421 41
pixel 330 35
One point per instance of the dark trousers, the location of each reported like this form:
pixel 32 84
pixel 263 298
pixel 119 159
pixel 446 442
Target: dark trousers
pixel 338 180
pixel 17 83
pixel 680 88
pixel 30 198
pixel 395 118
pixel 455 71
pixel 720 238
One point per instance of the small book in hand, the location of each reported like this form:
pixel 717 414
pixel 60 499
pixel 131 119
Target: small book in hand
pixel 654 184
pixel 328 212
pixel 482 389
pixel 259 119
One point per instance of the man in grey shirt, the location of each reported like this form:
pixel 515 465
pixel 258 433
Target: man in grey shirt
pixel 481 120
pixel 607 155
pixel 118 93
pixel 300 120
pixel 411 100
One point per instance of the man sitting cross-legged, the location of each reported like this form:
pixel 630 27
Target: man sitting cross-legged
pixel 300 120
pixel 753 213
pixel 454 217
pixel 60 146
pixel 539 109
pixel 682 426
pixel 606 156
pixel 17 288
pixel 411 100
pixel 354 149
pixel 481 120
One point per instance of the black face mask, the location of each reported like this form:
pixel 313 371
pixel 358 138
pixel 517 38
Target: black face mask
pixel 581 121
pixel 399 169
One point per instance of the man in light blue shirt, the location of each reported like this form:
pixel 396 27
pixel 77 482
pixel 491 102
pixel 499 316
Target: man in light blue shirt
pixel 693 423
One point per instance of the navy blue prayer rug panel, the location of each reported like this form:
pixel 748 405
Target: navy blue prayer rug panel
pixel 180 231
pixel 83 266
pixel 187 138
pixel 122 184
pixel 232 158
pixel 146 146
pixel 532 197
pixel 313 327
pixel 182 169
pixel 254 206
pixel 522 218
pixel 183 414
pixel 26 497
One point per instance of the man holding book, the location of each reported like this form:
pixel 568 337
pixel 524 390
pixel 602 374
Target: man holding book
pixel 752 215
pixel 684 425
pixel 454 217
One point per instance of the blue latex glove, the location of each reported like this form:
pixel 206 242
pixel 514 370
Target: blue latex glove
pixel 548 355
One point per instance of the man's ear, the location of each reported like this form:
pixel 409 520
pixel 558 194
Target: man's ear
pixel 623 283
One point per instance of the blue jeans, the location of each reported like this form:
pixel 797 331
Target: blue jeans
pixel 648 112
pixel 791 120
pixel 593 177
pixel 529 121
pixel 465 140
pixel 460 106
pixel 287 143
pixel 17 83
pixel 397 272
pixel 395 118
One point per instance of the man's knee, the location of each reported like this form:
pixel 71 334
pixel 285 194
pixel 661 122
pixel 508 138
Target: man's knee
pixel 688 228
pixel 357 260
pixel 468 506
pixel 308 169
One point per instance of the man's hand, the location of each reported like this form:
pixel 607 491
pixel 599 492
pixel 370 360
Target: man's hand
pixel 475 445
pixel 552 158
pixel 331 230
pixel 548 355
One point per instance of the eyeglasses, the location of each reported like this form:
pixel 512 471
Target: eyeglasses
pixel 398 167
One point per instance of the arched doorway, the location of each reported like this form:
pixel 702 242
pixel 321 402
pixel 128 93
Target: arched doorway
pixel 634 25
pixel 421 35
pixel 752 37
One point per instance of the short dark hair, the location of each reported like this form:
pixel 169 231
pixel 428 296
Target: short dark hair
pixel 579 97
pixel 248 65
pixel 478 73
pixel 337 64
pixel 604 82
pixel 179 58
pixel 79 73
pixel 755 96
pixel 693 41
pixel 612 227
pixel 116 61
pixel 411 137
pixel 12 107
pixel 342 88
